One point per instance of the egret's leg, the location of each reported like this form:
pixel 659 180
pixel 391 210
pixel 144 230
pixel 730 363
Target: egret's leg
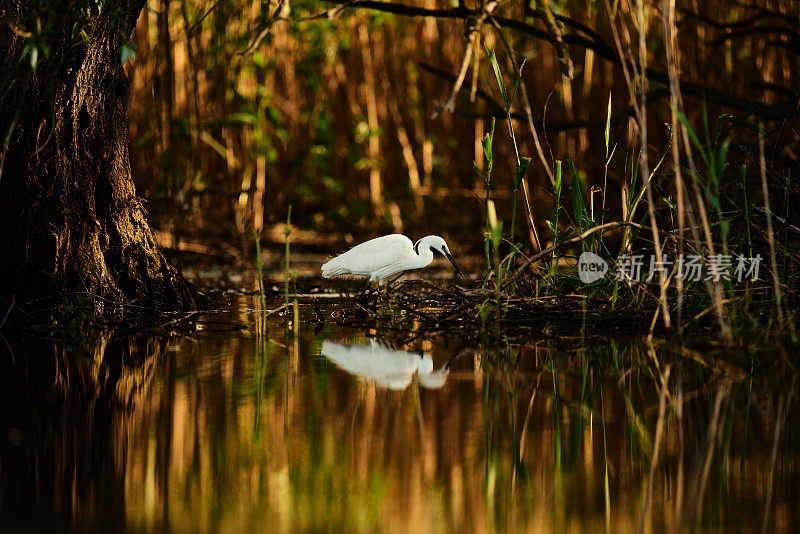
pixel 395 279
pixel 365 287
pixel 363 293
pixel 385 290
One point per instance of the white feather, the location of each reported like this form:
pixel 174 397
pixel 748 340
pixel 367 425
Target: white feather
pixel 383 257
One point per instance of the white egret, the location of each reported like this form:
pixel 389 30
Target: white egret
pixel 388 368
pixel 386 256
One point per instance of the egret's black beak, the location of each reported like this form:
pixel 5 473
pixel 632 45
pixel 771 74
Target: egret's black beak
pixel 453 261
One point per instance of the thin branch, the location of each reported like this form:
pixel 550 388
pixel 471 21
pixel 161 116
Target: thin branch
pixel 546 15
pixel 275 17
pixel 474 31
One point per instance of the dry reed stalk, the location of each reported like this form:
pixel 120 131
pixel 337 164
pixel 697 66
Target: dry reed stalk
pixel 770 235
pixel 673 66
pixel 588 79
pixel 629 85
pixel 427 162
pixel 714 288
pixel 193 97
pixel 533 234
pixel 375 186
pixel 242 217
pixel 478 158
pixel 407 150
pixel 640 108
pixel 167 95
pixel 624 196
pixel 476 69
pixel 529 115
pixel 676 102
pixel 258 195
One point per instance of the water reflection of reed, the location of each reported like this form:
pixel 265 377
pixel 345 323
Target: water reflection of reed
pixel 229 432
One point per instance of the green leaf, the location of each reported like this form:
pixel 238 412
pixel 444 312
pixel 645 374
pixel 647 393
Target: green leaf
pixel 724 229
pixel 578 205
pixel 486 142
pixel 692 135
pixel 608 122
pixel 477 170
pixel 557 179
pixel 722 158
pixel 740 121
pixel 497 234
pixel 712 199
pixel 522 169
pixel 242 117
pixel 499 77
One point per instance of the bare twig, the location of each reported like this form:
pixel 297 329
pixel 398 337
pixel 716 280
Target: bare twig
pixel 275 17
pixel 474 31
pixel 450 106
pixel 769 213
pixel 546 15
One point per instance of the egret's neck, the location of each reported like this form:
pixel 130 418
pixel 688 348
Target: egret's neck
pixel 423 259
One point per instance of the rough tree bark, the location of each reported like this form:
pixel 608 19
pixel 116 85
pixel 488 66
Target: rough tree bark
pixel 70 220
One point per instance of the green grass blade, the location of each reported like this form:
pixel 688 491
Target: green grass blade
pixel 499 77
pixel 578 204
pixel 522 170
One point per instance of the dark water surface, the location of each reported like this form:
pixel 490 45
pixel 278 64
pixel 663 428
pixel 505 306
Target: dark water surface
pixel 237 428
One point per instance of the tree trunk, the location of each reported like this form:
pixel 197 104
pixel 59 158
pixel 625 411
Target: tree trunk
pixel 70 220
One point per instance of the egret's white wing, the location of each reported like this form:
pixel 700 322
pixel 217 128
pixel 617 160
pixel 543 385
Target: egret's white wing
pixel 389 368
pixel 370 256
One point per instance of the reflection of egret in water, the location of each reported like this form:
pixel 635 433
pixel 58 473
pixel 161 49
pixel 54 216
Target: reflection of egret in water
pixel 388 368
